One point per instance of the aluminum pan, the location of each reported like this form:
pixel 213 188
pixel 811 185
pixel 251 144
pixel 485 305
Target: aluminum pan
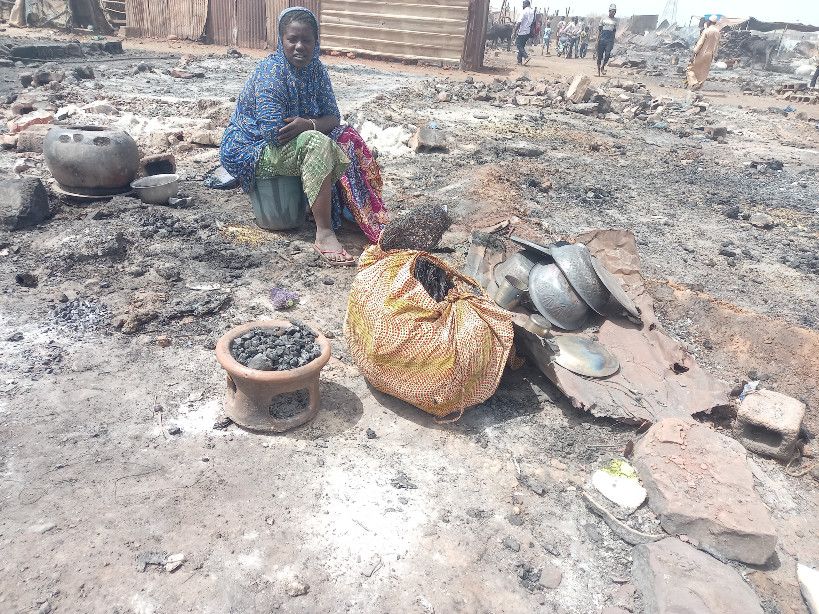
pixel 555 299
pixel 575 262
pixel 615 288
pixel 517 265
pixel 583 356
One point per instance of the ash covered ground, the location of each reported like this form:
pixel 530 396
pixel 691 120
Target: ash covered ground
pixel 110 389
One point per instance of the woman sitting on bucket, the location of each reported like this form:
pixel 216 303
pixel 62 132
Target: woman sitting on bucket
pixel 287 122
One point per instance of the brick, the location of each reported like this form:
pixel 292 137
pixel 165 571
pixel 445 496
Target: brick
pixel 37 117
pixel 31 139
pixel 768 423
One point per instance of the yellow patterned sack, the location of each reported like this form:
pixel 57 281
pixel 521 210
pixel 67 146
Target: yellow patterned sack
pixel 441 357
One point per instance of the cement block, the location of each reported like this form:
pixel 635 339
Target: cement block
pixel 427 139
pixel 768 423
pixel 577 90
pixel 31 139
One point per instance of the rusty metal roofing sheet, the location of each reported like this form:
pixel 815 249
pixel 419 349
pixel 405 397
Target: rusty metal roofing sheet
pixel 427 29
pixel 161 18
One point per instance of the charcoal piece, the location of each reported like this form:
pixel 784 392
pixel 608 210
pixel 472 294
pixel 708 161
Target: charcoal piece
pixel 420 228
pixel 433 278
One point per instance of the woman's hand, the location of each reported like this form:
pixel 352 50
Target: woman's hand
pixel 293 127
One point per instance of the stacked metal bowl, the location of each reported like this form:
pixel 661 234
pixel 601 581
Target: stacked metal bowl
pixel 565 283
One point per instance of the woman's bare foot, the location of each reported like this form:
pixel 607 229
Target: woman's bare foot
pixel 330 247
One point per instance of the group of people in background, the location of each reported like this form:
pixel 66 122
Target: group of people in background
pixel 572 37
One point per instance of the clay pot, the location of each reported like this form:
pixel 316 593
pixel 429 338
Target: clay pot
pixel 250 391
pixel 91 160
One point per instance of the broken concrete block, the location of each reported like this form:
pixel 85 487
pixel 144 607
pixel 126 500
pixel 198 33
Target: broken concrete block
pixel 22 165
pixel 31 139
pixel 524 148
pixel 8 141
pixel 674 577
pixel 26 79
pixel 769 422
pixel 761 220
pixel 157 164
pixel 427 139
pixel 444 97
pixel 36 117
pixel 208 138
pixel 23 202
pixel 700 485
pixel 577 90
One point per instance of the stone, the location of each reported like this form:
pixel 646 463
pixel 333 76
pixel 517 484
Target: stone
pixel 584 108
pixel 700 485
pixel 23 202
pixel 101 107
pixel 809 583
pixel 761 220
pixel 551 576
pixel 31 139
pixel 524 148
pixel 26 79
pixel 444 97
pixel 48 72
pixel 577 90
pixel 297 588
pixel 30 119
pixel 512 544
pixel 208 138
pixel 427 139
pixel 44 527
pixel 22 165
pixel 714 132
pixel 673 577
pixel 83 72
pixel 769 422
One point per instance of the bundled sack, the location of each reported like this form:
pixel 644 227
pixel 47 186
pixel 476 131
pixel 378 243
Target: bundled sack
pixel 440 356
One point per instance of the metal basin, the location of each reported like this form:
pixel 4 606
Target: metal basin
pixel 555 299
pixel 518 265
pixel 576 264
pixel 613 286
pixel 583 356
pixel 156 189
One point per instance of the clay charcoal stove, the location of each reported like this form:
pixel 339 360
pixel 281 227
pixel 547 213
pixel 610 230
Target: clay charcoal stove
pixel 276 348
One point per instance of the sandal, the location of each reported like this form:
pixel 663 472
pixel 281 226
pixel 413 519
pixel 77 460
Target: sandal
pixel 343 252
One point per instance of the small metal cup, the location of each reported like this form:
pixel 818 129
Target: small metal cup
pixel 509 292
pixel 538 325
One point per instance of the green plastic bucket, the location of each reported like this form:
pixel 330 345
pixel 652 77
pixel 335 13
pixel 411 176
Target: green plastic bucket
pixel 279 203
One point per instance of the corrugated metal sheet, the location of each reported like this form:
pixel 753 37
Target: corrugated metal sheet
pixel 162 18
pixel 423 30
pixel 221 28
pixel 251 24
pixel 274 9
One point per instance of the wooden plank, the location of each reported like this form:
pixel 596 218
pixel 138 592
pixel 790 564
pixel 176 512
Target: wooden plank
pixel 392 49
pixel 411 24
pixel 396 36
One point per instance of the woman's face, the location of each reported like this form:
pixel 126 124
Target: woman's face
pixel 299 40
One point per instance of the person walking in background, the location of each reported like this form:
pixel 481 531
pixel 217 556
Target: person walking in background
pixel 573 32
pixel 815 76
pixel 584 41
pixel 524 30
pixel 559 37
pixel 605 39
pixel 547 39
pixel 704 53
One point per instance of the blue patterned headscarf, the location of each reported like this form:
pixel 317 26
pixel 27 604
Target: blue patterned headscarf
pixel 276 90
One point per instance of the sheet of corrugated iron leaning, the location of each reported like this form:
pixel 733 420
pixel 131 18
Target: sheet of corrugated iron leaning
pixel 163 18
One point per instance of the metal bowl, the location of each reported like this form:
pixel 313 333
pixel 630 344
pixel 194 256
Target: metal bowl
pixel 517 265
pixel 613 285
pixel 555 299
pixel 583 356
pixel 156 189
pixel 576 264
